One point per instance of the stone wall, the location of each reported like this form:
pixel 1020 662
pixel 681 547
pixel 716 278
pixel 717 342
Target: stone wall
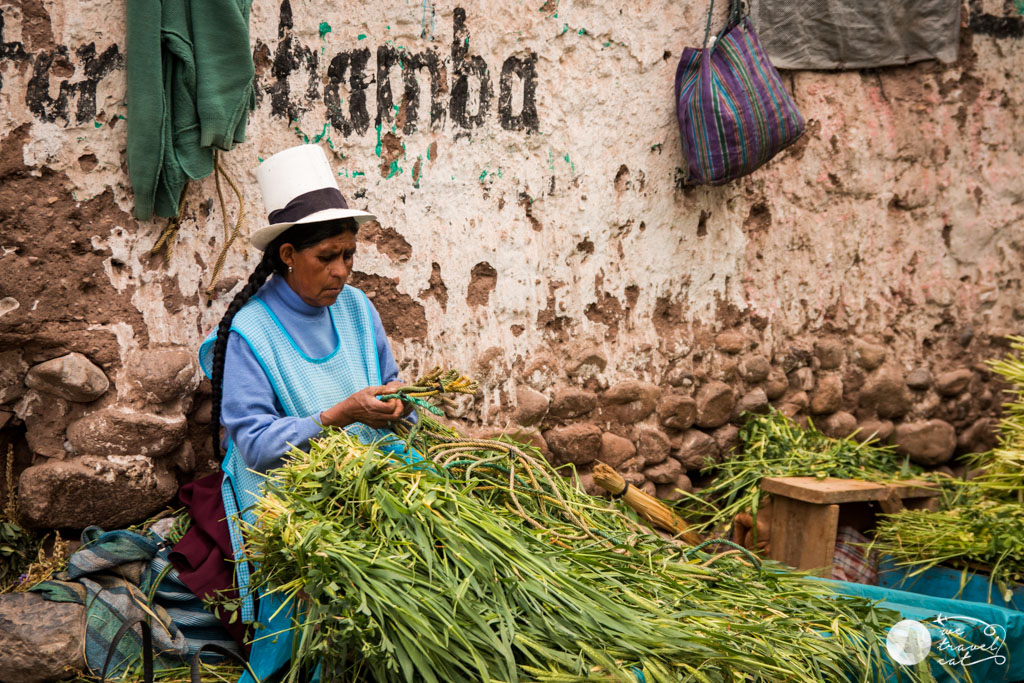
pixel 534 231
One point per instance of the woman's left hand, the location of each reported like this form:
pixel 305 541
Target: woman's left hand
pixel 392 387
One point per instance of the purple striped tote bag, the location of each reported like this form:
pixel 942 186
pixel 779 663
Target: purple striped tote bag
pixel 734 113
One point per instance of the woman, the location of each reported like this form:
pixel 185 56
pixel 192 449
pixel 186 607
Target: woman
pixel 296 350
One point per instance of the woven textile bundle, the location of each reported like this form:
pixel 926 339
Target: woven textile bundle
pixel 734 113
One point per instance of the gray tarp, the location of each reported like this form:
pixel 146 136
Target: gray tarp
pixel 856 34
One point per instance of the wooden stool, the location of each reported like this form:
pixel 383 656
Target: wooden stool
pixel 805 514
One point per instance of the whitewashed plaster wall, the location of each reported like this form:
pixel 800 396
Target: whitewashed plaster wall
pixel 899 215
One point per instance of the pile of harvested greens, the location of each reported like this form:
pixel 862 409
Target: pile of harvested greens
pixel 775 446
pixel 482 563
pixel 981 523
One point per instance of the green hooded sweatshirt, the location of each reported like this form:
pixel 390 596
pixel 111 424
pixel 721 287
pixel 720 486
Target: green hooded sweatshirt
pixel 190 90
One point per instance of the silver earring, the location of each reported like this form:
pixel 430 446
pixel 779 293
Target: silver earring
pixel 290 269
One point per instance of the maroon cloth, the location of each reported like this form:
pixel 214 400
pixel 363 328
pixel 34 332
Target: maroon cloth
pixel 203 556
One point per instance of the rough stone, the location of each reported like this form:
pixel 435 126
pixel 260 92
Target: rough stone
pixel 953 382
pixel 755 369
pixel 871 429
pixel 184 458
pixel 649 488
pixel 578 443
pixel 728 371
pixel 797 399
pixel 839 425
pixel 665 472
pixel 801 379
pixel 542 372
pixel 754 401
pixel 672 491
pixel 163 375
pixel 13 369
pixel 109 492
pixel 634 464
pixel 885 392
pixel 41 640
pixel 637 479
pixel 570 402
pixel 829 353
pixel 776 386
pixel 122 431
pixel 827 396
pixel 928 443
pixel 867 355
pixel 792 358
pixel 715 402
pixel 204 412
pixel 727 437
pixel 731 341
pixel 680 374
pixel 981 436
pixel 72 377
pixel 615 450
pixel 587 483
pixel 919 379
pixel 790 410
pixel 588 364
pixel 531 406
pixel 696 450
pixel 531 437
pixel 630 401
pixel 677 412
pixel 46 417
pixel 652 445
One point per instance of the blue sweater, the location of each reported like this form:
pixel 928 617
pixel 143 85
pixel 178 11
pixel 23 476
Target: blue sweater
pixel 250 412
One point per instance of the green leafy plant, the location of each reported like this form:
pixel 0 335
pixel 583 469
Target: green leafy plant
pixel 775 446
pixel 483 563
pixel 981 523
pixel 18 546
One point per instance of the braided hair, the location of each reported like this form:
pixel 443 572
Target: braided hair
pixel 301 237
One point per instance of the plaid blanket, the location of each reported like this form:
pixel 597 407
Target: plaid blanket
pixel 851 562
pixel 121 576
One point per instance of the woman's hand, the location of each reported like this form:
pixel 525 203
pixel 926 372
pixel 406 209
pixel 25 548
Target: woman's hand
pixel 364 406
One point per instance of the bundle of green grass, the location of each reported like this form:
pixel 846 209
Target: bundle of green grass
pixel 981 521
pixel 482 563
pixel 773 445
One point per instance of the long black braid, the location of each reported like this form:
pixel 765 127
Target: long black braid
pixel 300 237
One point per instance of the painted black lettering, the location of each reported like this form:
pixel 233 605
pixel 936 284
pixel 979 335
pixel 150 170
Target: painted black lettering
pixel 291 56
pixel 525 71
pixel 94 67
pixel 411 63
pixel 354 64
pixel 465 67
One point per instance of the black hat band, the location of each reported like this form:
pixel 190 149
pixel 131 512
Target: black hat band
pixel 307 204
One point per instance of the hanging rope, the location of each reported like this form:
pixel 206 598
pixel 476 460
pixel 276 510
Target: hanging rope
pixel 170 232
pixel 229 236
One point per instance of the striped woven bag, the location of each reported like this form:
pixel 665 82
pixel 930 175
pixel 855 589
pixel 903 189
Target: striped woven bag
pixel 734 113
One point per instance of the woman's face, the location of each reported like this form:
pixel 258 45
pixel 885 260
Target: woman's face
pixel 318 273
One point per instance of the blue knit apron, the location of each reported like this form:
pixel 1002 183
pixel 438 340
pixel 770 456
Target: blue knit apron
pixel 304 386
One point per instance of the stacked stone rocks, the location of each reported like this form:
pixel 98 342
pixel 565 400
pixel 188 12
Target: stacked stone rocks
pixel 660 435
pixel 103 454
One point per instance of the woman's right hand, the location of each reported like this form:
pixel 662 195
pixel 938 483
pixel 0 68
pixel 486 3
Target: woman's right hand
pixel 364 406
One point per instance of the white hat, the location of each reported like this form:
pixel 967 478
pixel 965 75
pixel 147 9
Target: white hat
pixel 299 187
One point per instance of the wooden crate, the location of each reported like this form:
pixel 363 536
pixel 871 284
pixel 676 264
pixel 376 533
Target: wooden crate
pixel 805 514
